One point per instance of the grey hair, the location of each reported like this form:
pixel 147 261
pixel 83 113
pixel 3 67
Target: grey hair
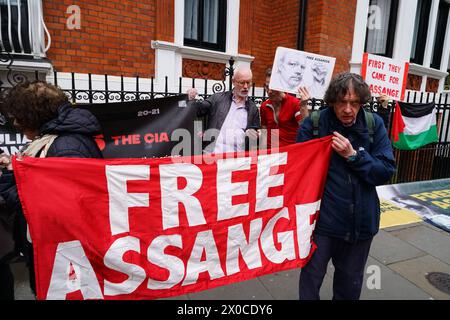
pixel 240 69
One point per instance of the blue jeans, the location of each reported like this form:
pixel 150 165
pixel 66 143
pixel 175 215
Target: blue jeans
pixel 349 260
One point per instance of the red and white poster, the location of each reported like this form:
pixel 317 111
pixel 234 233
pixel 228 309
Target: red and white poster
pixel 385 76
pixel 153 228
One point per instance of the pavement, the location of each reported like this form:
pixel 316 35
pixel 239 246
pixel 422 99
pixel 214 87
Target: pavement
pixel 403 264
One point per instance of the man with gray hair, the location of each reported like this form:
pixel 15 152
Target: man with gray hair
pixel 232 114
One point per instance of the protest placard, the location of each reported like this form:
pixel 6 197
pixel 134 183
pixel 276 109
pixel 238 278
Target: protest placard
pixel 293 69
pixel 385 76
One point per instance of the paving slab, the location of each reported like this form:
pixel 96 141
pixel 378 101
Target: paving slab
pixel 416 270
pixel 246 290
pixel 181 298
pixel 405 226
pixel 22 290
pixel 431 226
pixel 326 291
pixel 387 249
pixel 427 239
pixel 392 286
pixel 282 285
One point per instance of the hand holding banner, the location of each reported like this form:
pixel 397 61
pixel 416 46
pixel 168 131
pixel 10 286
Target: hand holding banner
pixel 152 228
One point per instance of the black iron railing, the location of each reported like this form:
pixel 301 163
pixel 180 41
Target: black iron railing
pixel 23 29
pixel 429 162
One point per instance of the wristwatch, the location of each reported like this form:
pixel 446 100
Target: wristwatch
pixel 353 157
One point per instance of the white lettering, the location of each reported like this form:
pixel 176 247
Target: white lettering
pixel 114 260
pixel 287 251
pixel 182 148
pixel 72 254
pixel 237 242
pixel 174 265
pixel 305 228
pixel 374 280
pixel 203 243
pixel 74 21
pixel 119 199
pixel 375 18
pixel 265 181
pixel 171 195
pixel 226 189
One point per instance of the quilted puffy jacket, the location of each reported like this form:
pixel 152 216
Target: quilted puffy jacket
pixel 75 129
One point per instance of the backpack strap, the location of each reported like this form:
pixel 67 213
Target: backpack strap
pixel 315 116
pixel 370 124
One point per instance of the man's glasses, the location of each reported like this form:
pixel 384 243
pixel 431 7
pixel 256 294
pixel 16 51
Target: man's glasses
pixel 242 83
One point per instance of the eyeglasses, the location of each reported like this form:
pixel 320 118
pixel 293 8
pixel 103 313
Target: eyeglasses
pixel 242 83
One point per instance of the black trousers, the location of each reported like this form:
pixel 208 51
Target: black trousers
pixel 349 260
pixel 6 282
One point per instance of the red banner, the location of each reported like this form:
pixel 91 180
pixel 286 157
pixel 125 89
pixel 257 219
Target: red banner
pixel 152 228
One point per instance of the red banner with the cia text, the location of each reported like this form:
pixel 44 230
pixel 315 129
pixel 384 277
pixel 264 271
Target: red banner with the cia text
pixel 152 228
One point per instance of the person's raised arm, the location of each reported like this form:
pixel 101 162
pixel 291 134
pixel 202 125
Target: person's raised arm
pixel 304 96
pixel 203 107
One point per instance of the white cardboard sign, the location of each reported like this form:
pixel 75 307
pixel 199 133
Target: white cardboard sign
pixel 293 69
pixel 385 76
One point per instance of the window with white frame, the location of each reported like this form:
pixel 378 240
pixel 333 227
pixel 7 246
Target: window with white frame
pixel 441 26
pixel 205 24
pixel 420 31
pixel 381 27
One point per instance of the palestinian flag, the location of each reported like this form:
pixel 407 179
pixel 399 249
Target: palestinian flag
pixel 414 125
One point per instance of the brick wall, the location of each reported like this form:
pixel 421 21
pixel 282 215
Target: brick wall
pixel 329 30
pixel 254 35
pixel 267 24
pixel 114 37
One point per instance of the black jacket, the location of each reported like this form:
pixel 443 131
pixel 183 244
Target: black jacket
pixel 6 231
pixel 75 129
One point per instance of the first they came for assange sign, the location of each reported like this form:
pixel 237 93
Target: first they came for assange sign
pixel 152 228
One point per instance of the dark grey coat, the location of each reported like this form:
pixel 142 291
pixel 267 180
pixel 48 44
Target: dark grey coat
pixel 216 108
